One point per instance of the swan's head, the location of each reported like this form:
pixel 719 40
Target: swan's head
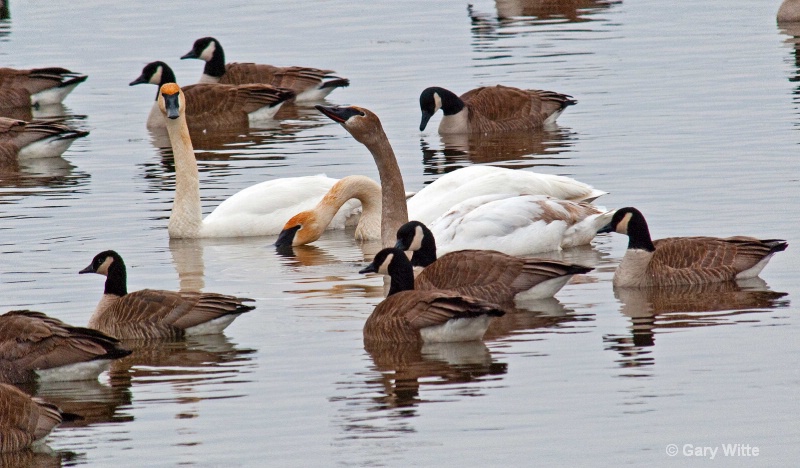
pixel 102 262
pixel 171 101
pixel 155 73
pixel 203 49
pixel 362 123
pixel 429 103
pixel 302 229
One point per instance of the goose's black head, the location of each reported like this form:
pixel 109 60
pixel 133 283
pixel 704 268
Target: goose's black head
pixel 393 262
pixel 414 236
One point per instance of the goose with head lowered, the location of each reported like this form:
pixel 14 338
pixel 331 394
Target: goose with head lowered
pixel 24 420
pixel 21 140
pixel 409 315
pixel 34 346
pixel 216 106
pixel 676 261
pixel 310 84
pixel 492 109
pixel 258 210
pixel 157 313
pixel 510 223
pixel 486 274
pixel 37 86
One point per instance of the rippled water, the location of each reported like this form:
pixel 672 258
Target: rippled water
pixel 688 111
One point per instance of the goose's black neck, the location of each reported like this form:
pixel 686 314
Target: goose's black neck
pixel 639 233
pixel 401 273
pixel 216 66
pixel 451 103
pixel 426 254
pixel 167 76
pixel 117 278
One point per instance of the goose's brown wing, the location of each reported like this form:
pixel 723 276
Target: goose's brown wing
pixel 23 419
pixel 298 79
pixel 707 257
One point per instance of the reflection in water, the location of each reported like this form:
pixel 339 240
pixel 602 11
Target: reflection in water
pixel 41 459
pixel 50 173
pixel 540 147
pixel 685 307
pixel 95 402
pixel 572 11
pixel 196 369
pixel 533 315
pixel 792 30
pixel 379 402
pixel 187 256
pixel 187 363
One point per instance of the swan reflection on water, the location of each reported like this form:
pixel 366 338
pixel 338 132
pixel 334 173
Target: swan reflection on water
pixel 660 310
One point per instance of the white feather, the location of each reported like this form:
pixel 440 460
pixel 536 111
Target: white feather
pixel 454 187
pixel 54 95
pixel 264 208
pixel 50 147
pixel 461 329
pixel 512 224
pixel 86 370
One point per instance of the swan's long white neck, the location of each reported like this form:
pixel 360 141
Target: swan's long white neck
pixel 186 217
pixel 394 210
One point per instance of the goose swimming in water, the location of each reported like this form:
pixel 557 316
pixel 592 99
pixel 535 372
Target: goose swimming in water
pixel 216 106
pixel 491 109
pixel 310 84
pixel 409 315
pixel 677 261
pixel 157 313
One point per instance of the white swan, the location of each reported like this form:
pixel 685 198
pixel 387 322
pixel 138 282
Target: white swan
pixel 457 186
pixel 517 224
pixel 259 210
pixel 519 218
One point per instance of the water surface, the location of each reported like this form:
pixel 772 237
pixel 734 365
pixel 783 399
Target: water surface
pixel 688 112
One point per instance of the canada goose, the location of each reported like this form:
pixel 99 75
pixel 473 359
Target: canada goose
pixel 789 11
pixel 486 274
pixel 25 420
pixel 216 106
pixel 685 260
pixel 492 109
pixel 310 84
pixel 409 315
pixel 39 86
pixel 155 313
pixel 34 345
pixel 258 210
pixel 518 225
pixel 566 225
pixel 36 139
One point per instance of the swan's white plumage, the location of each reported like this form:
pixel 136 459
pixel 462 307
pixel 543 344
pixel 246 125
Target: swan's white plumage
pixel 258 210
pixel 516 224
pixel 264 208
pixel 457 186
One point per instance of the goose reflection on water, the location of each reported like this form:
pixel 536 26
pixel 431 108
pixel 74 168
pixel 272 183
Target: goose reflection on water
pixel 667 309
pixel 542 147
pixel 196 368
pixel 792 31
